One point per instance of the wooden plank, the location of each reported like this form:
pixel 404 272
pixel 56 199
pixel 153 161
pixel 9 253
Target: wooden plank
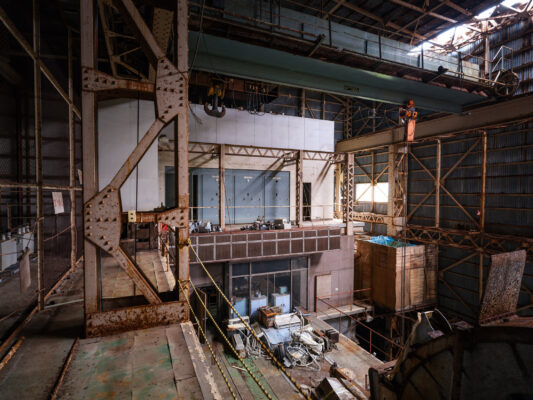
pixel 199 362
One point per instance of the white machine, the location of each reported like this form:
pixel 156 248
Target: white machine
pixel 281 300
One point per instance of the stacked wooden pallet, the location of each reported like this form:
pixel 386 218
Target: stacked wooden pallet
pixel 380 268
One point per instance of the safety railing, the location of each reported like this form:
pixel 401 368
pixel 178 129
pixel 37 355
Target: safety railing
pixel 310 212
pixel 361 296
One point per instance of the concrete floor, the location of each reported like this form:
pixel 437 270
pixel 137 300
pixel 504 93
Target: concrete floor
pixel 49 336
pixel 116 282
pixel 155 363
pixel 140 364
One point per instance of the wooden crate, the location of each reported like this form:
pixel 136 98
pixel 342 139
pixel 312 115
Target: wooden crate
pixel 380 267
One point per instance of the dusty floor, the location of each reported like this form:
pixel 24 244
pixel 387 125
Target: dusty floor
pixel 116 282
pixel 13 302
pixel 33 370
pixel 138 364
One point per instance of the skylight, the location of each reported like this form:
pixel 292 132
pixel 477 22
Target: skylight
pixel 452 38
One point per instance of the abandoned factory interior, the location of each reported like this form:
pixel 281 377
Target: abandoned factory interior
pixel 266 199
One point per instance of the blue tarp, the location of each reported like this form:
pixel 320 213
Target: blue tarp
pixel 388 241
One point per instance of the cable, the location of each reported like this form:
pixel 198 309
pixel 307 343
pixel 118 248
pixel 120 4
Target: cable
pixel 267 350
pixel 256 380
pixel 198 37
pixel 208 344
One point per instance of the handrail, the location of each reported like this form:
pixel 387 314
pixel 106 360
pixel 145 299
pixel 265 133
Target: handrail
pixel 359 322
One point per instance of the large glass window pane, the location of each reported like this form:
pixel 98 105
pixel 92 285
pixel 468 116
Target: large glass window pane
pixel 299 289
pixel 280 295
pixel 240 269
pixel 240 295
pixel 260 290
pixel 270 266
pixel 300 262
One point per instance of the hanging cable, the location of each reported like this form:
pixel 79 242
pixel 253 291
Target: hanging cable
pixel 256 380
pixel 267 350
pixel 207 341
pixel 198 37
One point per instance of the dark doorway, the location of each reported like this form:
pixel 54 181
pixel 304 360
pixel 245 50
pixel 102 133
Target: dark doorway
pixel 306 201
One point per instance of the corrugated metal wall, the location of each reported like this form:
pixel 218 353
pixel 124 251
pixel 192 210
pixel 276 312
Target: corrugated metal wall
pixel 508 210
pixel 518 37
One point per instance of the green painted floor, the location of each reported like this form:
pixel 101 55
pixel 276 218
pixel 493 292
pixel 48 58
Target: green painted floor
pixel 144 364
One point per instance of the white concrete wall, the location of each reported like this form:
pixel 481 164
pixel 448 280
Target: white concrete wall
pixel 243 128
pixel 117 137
pixel 268 130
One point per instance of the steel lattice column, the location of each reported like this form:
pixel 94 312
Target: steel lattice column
pixel 299 187
pixel 222 186
pixel 181 137
pixel 90 176
pixel 348 193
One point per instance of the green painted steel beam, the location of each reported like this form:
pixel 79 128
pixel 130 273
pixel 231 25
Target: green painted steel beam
pixel 229 57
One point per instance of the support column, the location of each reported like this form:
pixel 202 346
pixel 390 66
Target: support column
pixel 482 209
pixel 437 184
pixel 72 158
pixel 302 104
pixel 348 119
pixel 38 151
pixel 391 173
pixel 88 133
pixel 348 195
pixel 181 140
pixel 372 188
pixel 222 186
pixel 338 191
pixel 299 187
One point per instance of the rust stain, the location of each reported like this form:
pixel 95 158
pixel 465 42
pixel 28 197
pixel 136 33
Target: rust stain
pixel 132 318
pixel 503 285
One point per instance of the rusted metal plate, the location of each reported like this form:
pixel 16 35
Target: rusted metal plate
pixel 170 91
pixel 140 317
pixel 176 217
pixel 96 81
pixel 102 219
pixel 503 285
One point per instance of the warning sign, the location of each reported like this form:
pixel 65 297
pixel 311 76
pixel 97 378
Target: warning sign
pixel 58 202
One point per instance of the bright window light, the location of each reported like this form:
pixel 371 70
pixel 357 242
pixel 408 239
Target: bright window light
pixel 462 31
pixel 363 192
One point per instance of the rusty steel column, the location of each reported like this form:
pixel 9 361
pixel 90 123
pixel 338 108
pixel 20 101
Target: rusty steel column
pixel 437 184
pixel 72 157
pixel 338 191
pixel 181 140
pixel 299 187
pixel 391 166
pixel 302 104
pixel 88 133
pixel 373 188
pixel 38 151
pixel 482 209
pixel 348 195
pixel 222 186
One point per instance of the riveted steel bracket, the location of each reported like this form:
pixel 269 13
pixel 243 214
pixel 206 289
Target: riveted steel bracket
pixel 97 81
pixel 102 213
